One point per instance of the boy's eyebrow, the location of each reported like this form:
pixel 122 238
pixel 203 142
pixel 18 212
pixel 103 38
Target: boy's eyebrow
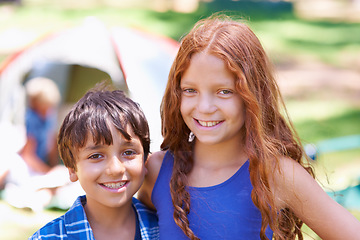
pixel 93 147
pixel 128 142
pixel 98 146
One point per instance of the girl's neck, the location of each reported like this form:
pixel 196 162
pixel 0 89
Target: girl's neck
pixel 219 155
pixel 214 164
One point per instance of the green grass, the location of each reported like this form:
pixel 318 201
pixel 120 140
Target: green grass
pixel 19 224
pixel 317 120
pixel 338 159
pixel 325 41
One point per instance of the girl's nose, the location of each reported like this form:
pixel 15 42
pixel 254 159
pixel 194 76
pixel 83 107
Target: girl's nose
pixel 206 104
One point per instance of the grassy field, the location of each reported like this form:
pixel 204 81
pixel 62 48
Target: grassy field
pixel 19 224
pixel 290 41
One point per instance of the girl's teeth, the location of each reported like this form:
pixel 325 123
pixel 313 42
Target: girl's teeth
pixel 114 185
pixel 208 124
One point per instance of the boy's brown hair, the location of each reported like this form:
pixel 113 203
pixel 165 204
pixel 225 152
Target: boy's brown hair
pixel 89 117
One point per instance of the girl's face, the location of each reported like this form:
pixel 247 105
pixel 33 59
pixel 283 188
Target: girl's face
pixel 210 105
pixel 110 174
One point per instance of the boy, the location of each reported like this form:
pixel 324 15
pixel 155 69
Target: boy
pixel 104 142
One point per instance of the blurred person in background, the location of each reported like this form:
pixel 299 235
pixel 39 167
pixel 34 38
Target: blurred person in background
pixel 34 173
pixel 40 152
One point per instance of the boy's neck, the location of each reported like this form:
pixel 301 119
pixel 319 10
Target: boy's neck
pixel 111 223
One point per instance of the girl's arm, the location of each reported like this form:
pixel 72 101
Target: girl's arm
pixel 153 165
pixel 297 190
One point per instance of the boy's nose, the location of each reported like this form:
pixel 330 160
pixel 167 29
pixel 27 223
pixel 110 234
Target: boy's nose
pixel 115 166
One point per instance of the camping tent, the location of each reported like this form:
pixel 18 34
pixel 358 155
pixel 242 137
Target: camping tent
pixel 77 58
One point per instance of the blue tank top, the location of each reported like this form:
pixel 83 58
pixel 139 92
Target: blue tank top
pixel 223 211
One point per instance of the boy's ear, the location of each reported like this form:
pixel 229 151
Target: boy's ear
pixel 72 174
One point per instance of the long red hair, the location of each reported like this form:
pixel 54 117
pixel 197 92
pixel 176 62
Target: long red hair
pixel 269 133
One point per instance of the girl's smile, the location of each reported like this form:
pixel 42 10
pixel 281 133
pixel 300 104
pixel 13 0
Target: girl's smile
pixel 208 123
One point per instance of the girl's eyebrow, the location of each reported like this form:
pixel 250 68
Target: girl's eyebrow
pixel 185 81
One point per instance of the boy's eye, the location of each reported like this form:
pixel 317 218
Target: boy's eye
pixel 95 156
pixel 129 153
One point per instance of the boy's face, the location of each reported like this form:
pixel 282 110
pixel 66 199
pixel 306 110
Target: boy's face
pixel 110 174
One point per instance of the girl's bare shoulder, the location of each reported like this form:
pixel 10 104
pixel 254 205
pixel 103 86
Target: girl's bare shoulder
pixel 153 165
pixel 288 181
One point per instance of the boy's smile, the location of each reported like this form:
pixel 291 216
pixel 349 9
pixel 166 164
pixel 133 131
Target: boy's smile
pixel 114 185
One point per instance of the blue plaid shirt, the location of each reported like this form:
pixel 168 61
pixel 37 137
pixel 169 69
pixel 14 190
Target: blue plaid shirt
pixel 74 224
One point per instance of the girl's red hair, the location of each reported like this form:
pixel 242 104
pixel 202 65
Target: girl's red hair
pixel 268 134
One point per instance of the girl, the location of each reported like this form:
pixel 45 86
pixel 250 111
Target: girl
pixel 234 167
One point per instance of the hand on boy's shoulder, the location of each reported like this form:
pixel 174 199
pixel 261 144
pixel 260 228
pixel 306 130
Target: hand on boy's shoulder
pixel 153 165
pixel 155 159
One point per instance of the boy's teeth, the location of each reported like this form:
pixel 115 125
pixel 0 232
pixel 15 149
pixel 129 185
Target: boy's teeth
pixel 208 124
pixel 114 185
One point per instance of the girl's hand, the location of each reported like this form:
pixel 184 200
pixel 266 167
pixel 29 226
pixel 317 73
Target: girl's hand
pixel 153 165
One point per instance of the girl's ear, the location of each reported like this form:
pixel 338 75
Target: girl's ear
pixel 72 174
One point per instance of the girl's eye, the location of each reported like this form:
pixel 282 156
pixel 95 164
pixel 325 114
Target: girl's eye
pixel 189 90
pixel 225 92
pixel 95 156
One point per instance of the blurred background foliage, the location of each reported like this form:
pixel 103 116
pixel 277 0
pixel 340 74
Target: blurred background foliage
pixel 315 46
